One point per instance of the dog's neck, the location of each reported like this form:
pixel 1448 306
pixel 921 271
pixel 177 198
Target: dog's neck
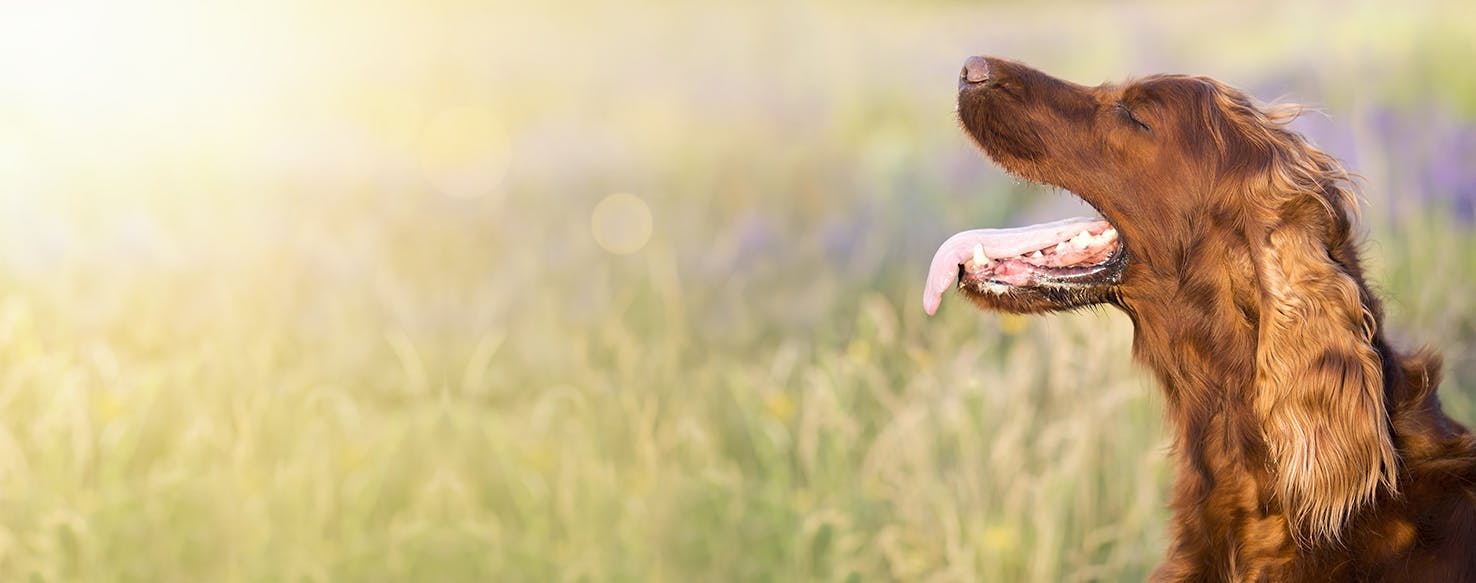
pixel 1207 372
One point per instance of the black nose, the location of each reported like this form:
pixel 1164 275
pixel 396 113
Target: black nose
pixel 975 70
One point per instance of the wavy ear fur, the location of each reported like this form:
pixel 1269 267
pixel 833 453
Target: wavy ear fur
pixel 1319 380
pixel 1320 387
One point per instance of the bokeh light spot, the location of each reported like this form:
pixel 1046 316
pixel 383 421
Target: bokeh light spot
pixel 464 152
pixel 621 223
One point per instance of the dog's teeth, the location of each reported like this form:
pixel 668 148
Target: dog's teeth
pixel 1081 240
pixel 979 257
pixel 1061 247
pixel 1109 235
pixel 1036 256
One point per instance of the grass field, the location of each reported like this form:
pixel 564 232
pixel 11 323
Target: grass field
pixel 330 292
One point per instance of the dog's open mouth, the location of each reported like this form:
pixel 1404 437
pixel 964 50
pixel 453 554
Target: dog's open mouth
pixel 1065 253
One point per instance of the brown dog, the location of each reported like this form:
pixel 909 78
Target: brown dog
pixel 1308 449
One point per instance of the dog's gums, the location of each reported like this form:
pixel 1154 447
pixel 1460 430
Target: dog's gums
pixel 1071 252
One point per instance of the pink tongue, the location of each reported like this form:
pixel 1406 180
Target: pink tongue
pixel 998 244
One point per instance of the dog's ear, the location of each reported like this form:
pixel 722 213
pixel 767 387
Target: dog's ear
pixel 1319 386
pixel 1319 380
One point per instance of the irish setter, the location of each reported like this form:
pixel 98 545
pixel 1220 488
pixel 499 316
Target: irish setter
pixel 1307 448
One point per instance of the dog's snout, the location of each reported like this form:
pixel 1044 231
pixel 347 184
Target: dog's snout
pixel 975 70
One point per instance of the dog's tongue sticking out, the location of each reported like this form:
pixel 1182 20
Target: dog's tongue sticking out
pixel 1061 239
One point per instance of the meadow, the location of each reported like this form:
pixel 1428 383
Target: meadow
pixel 599 291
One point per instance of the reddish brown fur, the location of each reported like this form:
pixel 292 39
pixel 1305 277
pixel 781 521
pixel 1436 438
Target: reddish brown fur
pixel 1307 448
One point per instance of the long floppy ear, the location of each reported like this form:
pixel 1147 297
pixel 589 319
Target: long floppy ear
pixel 1319 380
pixel 1320 386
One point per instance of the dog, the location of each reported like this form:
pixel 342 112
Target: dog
pixel 1307 448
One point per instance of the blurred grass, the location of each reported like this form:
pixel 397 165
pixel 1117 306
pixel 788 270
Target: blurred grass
pixel 245 333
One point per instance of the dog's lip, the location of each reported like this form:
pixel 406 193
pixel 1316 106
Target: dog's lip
pixel 1006 244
